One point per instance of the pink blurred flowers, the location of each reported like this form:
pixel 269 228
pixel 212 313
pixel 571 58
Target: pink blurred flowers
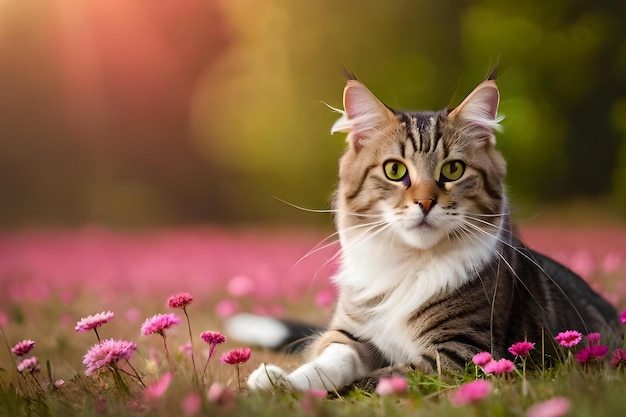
pixel 23 347
pixel 107 352
pixel 521 348
pixel 471 392
pixel 569 338
pixel 622 316
pixel 94 321
pixel 156 390
pixel 159 323
pixel 222 395
pixel 236 356
pixel 554 407
pixel 393 385
pixel 592 352
pixel 213 339
pixel 240 286
pixel 191 403
pixel 29 365
pixel 482 358
pixel 180 300
pixel 498 367
pixel 491 366
pixel 618 357
pixel 593 339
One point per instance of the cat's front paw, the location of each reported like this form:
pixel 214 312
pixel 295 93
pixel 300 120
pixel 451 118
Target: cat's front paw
pixel 268 377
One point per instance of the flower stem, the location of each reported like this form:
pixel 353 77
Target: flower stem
pixel 193 359
pixel 95 329
pixel 206 366
pixel 238 379
pixel 119 381
pixel 136 374
pixel 524 381
pixel 167 352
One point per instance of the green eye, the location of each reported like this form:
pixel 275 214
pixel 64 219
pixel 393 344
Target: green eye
pixel 394 170
pixel 452 171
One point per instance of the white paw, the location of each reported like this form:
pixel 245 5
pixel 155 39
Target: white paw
pixel 267 377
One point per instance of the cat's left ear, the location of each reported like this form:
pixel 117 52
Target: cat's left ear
pixel 478 113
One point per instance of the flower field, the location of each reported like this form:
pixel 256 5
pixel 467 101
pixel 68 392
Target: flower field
pixel 97 322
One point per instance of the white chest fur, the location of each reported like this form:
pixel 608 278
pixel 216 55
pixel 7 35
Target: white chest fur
pixel 405 279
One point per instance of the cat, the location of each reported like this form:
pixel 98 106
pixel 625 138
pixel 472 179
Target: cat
pixel 431 269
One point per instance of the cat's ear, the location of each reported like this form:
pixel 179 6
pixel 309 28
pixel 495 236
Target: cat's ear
pixel 478 113
pixel 362 116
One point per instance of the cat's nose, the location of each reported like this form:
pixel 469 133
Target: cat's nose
pixel 426 204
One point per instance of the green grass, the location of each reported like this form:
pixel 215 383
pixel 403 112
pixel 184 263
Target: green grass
pixel 592 392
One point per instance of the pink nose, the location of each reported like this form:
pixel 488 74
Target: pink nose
pixel 426 204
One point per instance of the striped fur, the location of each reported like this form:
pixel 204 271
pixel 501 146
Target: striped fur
pixel 431 271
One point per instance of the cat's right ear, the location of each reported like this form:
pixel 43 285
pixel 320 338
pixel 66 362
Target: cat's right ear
pixel 363 114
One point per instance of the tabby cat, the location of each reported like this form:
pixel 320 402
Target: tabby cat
pixel 431 269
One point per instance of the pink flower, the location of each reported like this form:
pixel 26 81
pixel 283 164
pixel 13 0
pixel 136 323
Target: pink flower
pixel 29 365
pixel 157 389
pixel 226 308
pixel 499 367
pixel 482 358
pixel 107 352
pixel 23 347
pixel 212 339
pixel 240 286
pixel 186 349
pixel 582 263
pixel 590 353
pixel 311 398
pixel 622 316
pixel 132 315
pixel 319 394
pixel 325 299
pixel 618 357
pixel 101 405
pixel 219 394
pixel 593 339
pixel 554 407
pixel 569 338
pixel 471 392
pixel 521 348
pixel 181 300
pixel 393 385
pixel 158 323
pixel 91 322
pixel 236 356
pixel 611 262
pixel 191 403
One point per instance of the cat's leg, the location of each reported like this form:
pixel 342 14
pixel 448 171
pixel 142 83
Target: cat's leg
pixel 338 360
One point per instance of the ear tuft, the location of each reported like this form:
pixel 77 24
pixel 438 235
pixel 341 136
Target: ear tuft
pixel 363 114
pixel 479 111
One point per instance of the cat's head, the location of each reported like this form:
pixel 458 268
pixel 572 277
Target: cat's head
pixel 421 177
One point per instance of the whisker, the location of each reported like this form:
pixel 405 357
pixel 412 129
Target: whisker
pixel 325 210
pixel 533 262
pixel 372 226
pixel 487 215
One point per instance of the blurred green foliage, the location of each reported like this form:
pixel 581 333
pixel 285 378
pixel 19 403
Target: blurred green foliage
pixel 156 113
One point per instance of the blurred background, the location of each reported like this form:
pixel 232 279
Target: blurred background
pixel 147 113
